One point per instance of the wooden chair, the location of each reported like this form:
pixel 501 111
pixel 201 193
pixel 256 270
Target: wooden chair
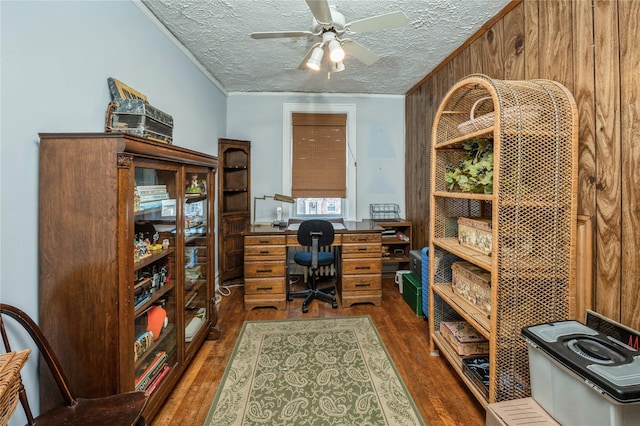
pixel 121 409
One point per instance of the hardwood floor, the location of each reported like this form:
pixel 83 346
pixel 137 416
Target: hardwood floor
pixel 439 394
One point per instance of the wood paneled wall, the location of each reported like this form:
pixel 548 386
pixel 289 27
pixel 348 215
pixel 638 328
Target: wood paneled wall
pixel 593 48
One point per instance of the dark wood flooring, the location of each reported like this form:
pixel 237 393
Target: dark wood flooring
pixel 438 392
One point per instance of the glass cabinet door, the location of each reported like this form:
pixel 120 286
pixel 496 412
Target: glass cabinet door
pixel 196 253
pixel 155 293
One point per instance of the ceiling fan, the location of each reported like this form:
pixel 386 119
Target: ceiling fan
pixel 331 27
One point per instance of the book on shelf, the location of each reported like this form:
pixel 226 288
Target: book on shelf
pixel 143 381
pixel 149 189
pixel 142 343
pixel 144 198
pixel 161 375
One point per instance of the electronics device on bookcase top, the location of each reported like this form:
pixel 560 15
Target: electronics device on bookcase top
pixel 130 112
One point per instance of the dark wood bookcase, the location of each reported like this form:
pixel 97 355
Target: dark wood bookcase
pixel 126 238
pixel 234 210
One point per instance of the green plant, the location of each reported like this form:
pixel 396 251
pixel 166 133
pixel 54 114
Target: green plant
pixel 474 171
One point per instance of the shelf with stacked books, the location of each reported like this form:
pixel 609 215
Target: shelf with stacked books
pixel 396 244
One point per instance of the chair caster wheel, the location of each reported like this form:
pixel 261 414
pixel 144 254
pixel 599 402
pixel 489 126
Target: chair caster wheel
pixel 334 305
pixel 305 309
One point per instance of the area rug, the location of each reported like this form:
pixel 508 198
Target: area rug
pixel 324 371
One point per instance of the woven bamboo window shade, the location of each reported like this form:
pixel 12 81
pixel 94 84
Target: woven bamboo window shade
pixel 319 156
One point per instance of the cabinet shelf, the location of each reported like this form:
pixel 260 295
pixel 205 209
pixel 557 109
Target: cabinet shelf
pixel 456 362
pixel 453 246
pixel 458 140
pixel 155 296
pixel 234 205
pixel 155 256
pixel 464 195
pixel 157 343
pixel 474 315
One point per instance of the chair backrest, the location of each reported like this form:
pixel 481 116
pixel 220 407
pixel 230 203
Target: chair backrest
pixel 316 228
pixel 45 351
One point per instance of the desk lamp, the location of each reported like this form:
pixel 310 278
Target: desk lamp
pixel 276 197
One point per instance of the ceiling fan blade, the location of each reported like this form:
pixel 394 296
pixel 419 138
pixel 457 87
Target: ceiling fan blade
pixel 388 20
pixel 320 10
pixel 279 34
pixel 360 52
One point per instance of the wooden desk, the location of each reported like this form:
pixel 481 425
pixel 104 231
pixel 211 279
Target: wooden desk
pixel 359 265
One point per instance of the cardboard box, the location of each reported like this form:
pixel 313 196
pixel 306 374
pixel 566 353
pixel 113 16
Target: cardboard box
pixel 475 233
pixel 464 339
pixel 473 283
pixel 518 412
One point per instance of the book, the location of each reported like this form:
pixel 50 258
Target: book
pixel 154 197
pixel 154 384
pixel 145 378
pixel 142 343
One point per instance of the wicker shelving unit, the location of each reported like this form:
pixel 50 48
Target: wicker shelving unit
pixel 533 211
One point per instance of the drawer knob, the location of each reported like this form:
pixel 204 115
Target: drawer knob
pixel 363 267
pixel 264 251
pixel 265 288
pixel 263 270
pixel 362 284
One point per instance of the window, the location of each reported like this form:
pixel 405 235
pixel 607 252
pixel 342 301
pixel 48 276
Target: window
pixel 325 187
pixel 319 163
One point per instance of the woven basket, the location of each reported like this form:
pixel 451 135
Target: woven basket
pixel 484 121
pixel 10 365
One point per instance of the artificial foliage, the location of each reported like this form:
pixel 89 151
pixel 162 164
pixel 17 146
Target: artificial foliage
pixel 474 171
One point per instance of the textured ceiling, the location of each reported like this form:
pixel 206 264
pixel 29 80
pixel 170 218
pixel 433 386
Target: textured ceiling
pixel 217 34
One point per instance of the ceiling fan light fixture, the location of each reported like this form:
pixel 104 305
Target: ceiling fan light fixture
pixel 337 66
pixel 336 53
pixel 315 61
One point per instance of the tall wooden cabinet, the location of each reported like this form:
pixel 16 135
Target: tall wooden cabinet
pixel 234 203
pixel 126 238
pixel 532 126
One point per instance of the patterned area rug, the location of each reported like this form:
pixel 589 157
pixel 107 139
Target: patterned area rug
pixel 325 371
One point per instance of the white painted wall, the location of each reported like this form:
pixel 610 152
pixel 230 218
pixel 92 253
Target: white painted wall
pixel 379 146
pixel 55 61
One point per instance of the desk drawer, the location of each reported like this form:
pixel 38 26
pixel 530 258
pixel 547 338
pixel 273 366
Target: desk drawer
pixel 361 282
pixel 361 238
pixel 292 240
pixel 361 266
pixel 264 240
pixel 264 286
pixel 352 251
pixel 262 252
pixel 264 269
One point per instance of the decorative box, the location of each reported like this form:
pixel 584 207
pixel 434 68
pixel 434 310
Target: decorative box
pixel 475 233
pixel 476 368
pixel 473 283
pixel 464 339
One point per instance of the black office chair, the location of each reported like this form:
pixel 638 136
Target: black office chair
pixel 315 233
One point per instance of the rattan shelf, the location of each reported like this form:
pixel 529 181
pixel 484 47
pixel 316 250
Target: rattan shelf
pixel 533 127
